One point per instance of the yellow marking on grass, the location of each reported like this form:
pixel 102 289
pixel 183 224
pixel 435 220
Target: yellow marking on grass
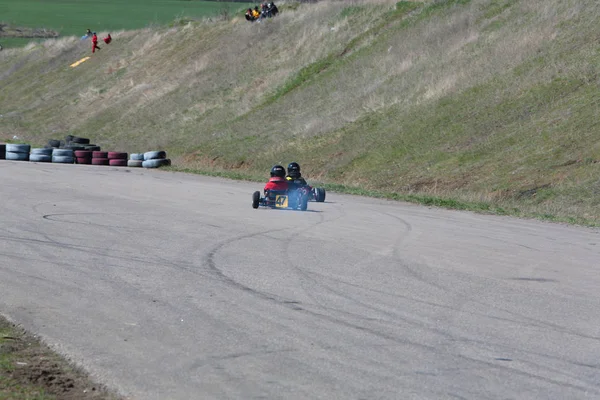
pixel 84 59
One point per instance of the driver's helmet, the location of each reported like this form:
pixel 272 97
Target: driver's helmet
pixel 278 170
pixel 294 170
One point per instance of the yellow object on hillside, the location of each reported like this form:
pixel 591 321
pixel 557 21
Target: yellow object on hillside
pixel 84 59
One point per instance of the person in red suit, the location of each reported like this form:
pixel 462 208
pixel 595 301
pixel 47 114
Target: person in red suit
pixel 107 39
pixel 94 42
pixel 277 180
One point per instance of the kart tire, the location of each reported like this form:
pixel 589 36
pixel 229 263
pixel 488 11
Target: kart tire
pixel 100 161
pixel 91 147
pixel 320 195
pixel 117 162
pixel 36 157
pixel 84 160
pixel 14 156
pixel 54 143
pixel 304 203
pixel 2 151
pixel 255 199
pixel 63 159
pixel 63 153
pixel 68 138
pixel 100 154
pixel 135 163
pixel 18 148
pixel 154 155
pixel 136 156
pixel 43 152
pixel 117 155
pixel 155 163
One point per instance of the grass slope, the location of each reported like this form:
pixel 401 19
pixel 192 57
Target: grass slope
pixel 484 104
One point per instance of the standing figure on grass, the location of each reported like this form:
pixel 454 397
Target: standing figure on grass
pixel 95 43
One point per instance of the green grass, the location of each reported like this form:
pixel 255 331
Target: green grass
pixel 73 18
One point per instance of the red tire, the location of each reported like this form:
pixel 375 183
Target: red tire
pixel 100 161
pixel 84 160
pixel 117 162
pixel 83 153
pixel 116 155
pixel 100 154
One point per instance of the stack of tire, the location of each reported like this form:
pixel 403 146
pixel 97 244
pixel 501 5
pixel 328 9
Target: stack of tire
pixel 99 158
pixel 2 151
pixel 76 143
pixel 41 155
pixel 17 152
pixel 117 159
pixel 63 156
pixel 136 160
pixel 155 159
pixel 83 156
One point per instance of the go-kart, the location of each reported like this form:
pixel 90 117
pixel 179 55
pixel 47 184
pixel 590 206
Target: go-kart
pixel 291 199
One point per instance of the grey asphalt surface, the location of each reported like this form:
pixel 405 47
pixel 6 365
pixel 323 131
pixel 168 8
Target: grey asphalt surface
pixel 170 286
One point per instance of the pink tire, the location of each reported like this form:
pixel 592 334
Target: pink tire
pixel 100 161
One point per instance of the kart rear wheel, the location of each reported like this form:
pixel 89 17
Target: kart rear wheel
pixel 255 199
pixel 320 195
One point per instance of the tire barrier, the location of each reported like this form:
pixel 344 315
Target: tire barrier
pixel 18 148
pixel 63 153
pixel 78 150
pixel 44 152
pixel 100 161
pixel 117 162
pixel 135 163
pixel 83 160
pixel 14 156
pixel 80 140
pixel 63 156
pixel 155 163
pixel 117 155
pixel 63 160
pixel 154 155
pixel 17 152
pixel 99 154
pixel 40 157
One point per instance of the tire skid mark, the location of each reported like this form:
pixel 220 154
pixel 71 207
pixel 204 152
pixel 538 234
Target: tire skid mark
pixel 474 299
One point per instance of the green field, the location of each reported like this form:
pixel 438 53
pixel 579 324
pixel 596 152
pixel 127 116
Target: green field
pixel 70 17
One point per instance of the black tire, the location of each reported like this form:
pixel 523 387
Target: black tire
pixel 2 151
pixel 54 143
pixel 320 195
pixel 80 140
pixel 255 199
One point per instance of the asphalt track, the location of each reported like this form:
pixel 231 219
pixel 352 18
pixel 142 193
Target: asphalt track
pixel 170 286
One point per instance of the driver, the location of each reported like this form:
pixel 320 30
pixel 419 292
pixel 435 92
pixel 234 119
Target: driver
pixel 294 176
pixel 277 181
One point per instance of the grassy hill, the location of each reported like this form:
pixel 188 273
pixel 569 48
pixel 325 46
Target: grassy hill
pixel 480 104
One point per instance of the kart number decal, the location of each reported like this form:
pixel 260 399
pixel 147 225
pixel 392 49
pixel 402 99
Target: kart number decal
pixel 281 201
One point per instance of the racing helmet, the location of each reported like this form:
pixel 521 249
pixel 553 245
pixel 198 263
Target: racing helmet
pixel 294 169
pixel 278 170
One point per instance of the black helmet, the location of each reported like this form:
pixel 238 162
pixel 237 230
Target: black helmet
pixel 278 170
pixel 293 169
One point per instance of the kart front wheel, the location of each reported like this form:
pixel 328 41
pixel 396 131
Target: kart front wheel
pixel 255 199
